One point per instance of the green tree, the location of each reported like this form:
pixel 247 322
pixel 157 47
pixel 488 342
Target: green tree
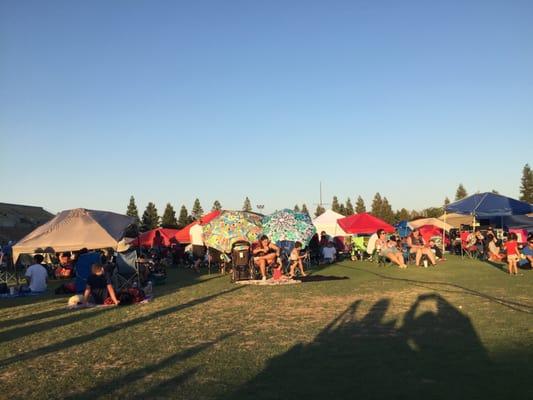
pixel 526 185
pixel 377 203
pixel 169 217
pixel 296 208
pixel 335 206
pixel 150 219
pixel 401 215
pixel 349 207
pixel 360 205
pixel 446 201
pixel 319 210
pixel 386 211
pixel 461 192
pixel 132 210
pixel 433 212
pixel 495 191
pixel 197 210
pixel 216 206
pixel 183 218
pixel 342 209
pixel 247 206
pixel 304 209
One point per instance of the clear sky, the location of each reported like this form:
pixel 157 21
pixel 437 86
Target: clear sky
pixel 173 100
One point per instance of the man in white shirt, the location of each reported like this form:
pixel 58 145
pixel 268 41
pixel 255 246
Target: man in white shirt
pixel 37 275
pixel 196 234
pixel 329 253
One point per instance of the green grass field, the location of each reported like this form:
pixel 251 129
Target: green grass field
pixel 463 330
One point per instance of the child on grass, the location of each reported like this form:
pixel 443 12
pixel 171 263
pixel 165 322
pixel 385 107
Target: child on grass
pixel 511 247
pixel 296 260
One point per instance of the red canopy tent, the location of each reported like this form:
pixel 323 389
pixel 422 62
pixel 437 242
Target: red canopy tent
pixel 183 235
pixel 363 223
pixel 430 231
pixel 147 238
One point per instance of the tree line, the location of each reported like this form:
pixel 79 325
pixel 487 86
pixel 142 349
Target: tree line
pixel 380 207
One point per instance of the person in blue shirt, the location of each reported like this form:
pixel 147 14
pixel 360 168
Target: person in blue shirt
pixel 527 251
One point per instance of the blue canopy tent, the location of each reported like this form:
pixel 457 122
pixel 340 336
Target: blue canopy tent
pixel 486 205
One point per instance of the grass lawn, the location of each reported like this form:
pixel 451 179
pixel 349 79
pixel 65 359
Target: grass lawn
pixel 463 330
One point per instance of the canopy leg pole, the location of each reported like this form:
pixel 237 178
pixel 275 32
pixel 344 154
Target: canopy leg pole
pixel 443 236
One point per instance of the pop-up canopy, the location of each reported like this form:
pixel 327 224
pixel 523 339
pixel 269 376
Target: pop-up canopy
pixel 183 235
pixel 148 238
pixel 327 222
pixel 417 223
pixel 485 205
pixel 73 230
pixel 363 223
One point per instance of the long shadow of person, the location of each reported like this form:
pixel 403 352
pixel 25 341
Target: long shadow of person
pixel 434 351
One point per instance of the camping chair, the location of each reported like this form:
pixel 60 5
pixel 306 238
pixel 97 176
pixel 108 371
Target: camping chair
pixel 358 248
pixel 83 267
pixel 470 250
pixel 127 271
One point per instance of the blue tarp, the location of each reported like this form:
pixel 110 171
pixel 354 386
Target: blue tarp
pixel 486 205
pixel 513 221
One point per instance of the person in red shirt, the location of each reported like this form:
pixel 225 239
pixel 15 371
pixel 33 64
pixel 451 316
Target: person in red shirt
pixel 511 247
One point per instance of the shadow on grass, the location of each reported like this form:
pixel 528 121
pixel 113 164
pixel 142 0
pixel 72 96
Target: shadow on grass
pixel 74 317
pixel 513 305
pixel 107 386
pixel 34 317
pixel 108 330
pixel 432 352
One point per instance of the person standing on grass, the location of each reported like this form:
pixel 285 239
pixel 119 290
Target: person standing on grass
pixel 511 247
pixel 296 260
pixel 198 247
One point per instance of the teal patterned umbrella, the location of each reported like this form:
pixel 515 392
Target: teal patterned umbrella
pixel 288 225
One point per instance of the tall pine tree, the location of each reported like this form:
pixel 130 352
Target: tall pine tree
pixel 169 217
pixel 247 206
pixel 183 218
pixel 150 219
pixel 132 211
pixel 197 210
pixel 296 208
pixel 335 206
pixel 349 207
pixel 461 192
pixel 377 203
pixel 526 185
pixel 304 209
pixel 319 210
pixel 216 206
pixel 446 201
pixel 360 205
pixel 386 211
pixel 401 215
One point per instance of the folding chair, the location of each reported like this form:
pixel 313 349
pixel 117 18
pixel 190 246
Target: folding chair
pixel 83 268
pixel 470 250
pixel 126 273
pixel 358 248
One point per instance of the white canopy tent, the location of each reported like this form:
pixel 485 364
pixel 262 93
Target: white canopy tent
pixel 75 229
pixel 417 223
pixel 327 222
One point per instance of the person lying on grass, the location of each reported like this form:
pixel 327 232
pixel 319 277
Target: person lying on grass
pixel 296 260
pixel 99 287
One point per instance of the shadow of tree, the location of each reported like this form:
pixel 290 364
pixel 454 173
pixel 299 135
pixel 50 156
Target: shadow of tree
pixel 74 341
pixel 433 352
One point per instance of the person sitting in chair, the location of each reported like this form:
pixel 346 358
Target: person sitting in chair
pixel 37 275
pixel 416 245
pixel 265 253
pixel 494 250
pixel 389 249
pixel 99 287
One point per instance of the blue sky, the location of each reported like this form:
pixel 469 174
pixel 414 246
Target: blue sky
pixel 171 100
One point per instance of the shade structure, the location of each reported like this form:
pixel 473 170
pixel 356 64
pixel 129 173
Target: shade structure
pixel 230 227
pixel 183 235
pixel 288 225
pixel 75 229
pixel 430 221
pixel 485 205
pixel 327 222
pixel 429 231
pixel 456 220
pixel 363 223
pixel 148 239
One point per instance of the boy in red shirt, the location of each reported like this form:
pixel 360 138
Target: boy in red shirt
pixel 511 246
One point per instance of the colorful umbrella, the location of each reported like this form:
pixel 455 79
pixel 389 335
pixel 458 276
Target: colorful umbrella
pixel 230 227
pixel 287 225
